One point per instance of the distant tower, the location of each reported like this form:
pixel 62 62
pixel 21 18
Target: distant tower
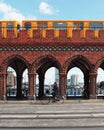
pixel 57 75
pixel 74 80
pixel 11 79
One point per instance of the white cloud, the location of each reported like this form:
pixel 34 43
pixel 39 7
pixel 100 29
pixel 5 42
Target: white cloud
pixel 10 13
pixel 45 8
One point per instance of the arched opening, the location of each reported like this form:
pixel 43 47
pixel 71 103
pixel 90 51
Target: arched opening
pixel 75 83
pixel 100 83
pixel 25 84
pixel 16 75
pixel 11 83
pixel 51 76
pixel 84 66
pixel 44 65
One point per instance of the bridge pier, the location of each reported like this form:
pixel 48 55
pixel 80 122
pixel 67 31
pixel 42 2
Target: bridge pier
pixel 62 83
pixel 92 85
pixel 32 87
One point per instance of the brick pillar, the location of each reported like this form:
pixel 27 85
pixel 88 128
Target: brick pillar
pixel 32 86
pixel 92 85
pixel 1 86
pixel 41 85
pixel 19 87
pixel 4 76
pixel 86 93
pixel 62 83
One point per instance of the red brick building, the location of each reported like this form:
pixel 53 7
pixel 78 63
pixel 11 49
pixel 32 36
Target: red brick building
pixel 39 45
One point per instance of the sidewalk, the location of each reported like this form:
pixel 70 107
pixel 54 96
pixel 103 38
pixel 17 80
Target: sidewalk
pixel 71 114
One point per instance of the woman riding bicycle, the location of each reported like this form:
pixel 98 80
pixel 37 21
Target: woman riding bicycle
pixel 55 92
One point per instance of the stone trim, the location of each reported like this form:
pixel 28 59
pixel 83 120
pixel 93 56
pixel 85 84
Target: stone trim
pixel 53 48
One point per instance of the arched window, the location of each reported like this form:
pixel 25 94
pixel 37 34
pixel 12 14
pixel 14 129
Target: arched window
pixel 10 26
pixel 27 25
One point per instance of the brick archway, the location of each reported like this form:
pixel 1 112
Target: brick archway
pixel 80 60
pixel 43 59
pixel 11 59
pixel 85 66
pixel 41 65
pixel 19 64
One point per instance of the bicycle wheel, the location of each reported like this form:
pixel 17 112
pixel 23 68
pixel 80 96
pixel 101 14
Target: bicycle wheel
pixel 61 99
pixel 45 100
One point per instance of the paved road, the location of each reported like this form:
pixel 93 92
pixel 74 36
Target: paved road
pixel 68 116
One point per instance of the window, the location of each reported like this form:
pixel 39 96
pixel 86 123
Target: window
pixel 10 26
pixel 60 25
pixel 27 25
pixel 81 26
pixel 75 26
pixel 45 25
pixel 39 26
pixel 96 26
pixel 42 25
pixel 78 25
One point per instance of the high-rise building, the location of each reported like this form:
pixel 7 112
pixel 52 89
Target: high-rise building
pixel 11 80
pixel 74 80
pixel 56 75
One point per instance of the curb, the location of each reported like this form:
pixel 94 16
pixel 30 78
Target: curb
pixel 38 102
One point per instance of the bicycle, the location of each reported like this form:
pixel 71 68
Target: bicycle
pixel 47 99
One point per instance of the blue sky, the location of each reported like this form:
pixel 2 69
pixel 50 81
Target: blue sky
pixel 52 9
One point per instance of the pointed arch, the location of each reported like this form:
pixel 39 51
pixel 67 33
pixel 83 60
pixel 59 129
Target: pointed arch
pixel 99 63
pixel 85 66
pixel 46 61
pixel 77 61
pixel 14 58
pixel 19 64
pixel 41 65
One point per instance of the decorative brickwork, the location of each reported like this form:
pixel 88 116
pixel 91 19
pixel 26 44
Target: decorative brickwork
pixel 53 48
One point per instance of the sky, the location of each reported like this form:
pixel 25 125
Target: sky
pixel 52 10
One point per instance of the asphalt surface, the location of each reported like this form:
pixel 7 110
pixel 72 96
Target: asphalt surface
pixel 73 115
